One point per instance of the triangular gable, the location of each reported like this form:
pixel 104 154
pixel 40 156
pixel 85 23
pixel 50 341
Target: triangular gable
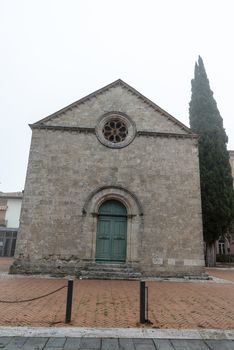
pixel 118 82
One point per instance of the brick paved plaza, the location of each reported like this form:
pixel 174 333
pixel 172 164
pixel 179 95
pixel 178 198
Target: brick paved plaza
pixel 105 303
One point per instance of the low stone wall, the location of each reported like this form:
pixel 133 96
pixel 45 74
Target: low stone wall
pixel 77 268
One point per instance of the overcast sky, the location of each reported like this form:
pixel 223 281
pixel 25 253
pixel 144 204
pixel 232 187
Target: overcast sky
pixel 53 52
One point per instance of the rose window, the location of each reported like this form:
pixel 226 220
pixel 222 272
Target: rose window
pixel 115 130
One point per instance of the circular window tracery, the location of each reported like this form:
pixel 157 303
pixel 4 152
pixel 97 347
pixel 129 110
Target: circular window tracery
pixel 115 130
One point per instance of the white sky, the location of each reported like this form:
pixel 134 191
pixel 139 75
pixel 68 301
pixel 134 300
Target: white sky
pixel 53 52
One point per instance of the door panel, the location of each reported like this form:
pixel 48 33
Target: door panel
pixel 103 239
pixel 111 232
pixel 119 228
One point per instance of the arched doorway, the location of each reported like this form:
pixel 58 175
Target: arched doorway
pixel 111 232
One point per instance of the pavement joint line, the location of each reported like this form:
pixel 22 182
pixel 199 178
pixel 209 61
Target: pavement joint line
pixel 78 332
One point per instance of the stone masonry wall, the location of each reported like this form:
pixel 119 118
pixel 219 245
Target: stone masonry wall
pixel 65 167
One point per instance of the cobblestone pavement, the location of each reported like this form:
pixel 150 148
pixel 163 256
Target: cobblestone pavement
pixel 5 263
pixel 37 343
pixel 103 303
pixel 116 303
pixel 224 273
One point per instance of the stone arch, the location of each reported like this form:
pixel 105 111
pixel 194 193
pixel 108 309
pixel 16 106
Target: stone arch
pixel 134 216
pixel 101 194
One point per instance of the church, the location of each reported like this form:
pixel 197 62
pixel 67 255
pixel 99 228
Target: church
pixel 112 185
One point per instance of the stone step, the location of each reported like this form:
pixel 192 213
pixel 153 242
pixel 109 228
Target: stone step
pixel 110 275
pixel 110 271
pixel 111 268
pixel 120 272
pixel 120 265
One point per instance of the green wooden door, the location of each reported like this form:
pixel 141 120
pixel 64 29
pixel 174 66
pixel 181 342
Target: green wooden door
pixel 111 232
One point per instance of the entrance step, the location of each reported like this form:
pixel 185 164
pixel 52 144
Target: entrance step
pixel 110 272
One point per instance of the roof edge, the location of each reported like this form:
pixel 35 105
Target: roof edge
pixel 11 195
pixel 157 108
pixel 107 87
pixel 82 100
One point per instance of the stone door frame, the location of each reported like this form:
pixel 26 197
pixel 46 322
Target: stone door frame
pixel 135 216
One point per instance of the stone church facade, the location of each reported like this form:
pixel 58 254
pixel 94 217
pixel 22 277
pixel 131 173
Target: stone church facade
pixel 111 179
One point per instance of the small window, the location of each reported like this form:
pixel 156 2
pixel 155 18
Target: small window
pixel 221 248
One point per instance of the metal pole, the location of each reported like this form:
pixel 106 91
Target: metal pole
pixel 147 304
pixel 69 300
pixel 142 302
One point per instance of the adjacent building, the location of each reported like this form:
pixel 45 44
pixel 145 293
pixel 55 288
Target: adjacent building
pixel 10 207
pixel 225 244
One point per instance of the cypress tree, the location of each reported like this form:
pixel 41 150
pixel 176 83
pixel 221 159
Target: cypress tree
pixel 217 194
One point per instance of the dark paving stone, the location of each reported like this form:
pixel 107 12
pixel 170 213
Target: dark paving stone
pixel 126 344
pixel 220 344
pixel 110 344
pixel 72 344
pixel 163 344
pixel 145 347
pixel 144 344
pixel 4 341
pixel 35 343
pixel 53 348
pixel 16 343
pixel 90 343
pixel 143 341
pixel 55 342
pixel 190 344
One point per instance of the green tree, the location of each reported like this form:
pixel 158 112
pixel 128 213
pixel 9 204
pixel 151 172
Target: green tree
pixel 217 194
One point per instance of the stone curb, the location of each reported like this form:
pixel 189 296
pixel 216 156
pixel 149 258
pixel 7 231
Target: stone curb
pixel 5 275
pixel 117 333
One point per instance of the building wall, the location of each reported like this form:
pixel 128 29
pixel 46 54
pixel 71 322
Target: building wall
pixel 13 212
pixel 10 205
pixel 70 173
pixel 3 209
